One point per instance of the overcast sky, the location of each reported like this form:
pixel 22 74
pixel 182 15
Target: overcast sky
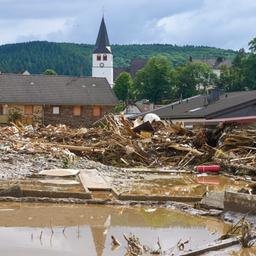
pixel 219 23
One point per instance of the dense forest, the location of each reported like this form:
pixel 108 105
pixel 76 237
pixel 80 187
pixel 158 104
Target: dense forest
pixel 75 59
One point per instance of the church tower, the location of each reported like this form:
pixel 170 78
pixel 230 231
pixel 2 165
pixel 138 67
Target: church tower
pixel 102 58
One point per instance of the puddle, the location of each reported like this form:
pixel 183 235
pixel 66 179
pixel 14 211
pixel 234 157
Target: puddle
pixel 26 229
pixel 177 185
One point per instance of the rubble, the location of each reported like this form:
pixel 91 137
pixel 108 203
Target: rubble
pixel 118 143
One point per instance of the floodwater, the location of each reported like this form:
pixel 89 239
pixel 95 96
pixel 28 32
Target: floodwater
pixel 177 184
pixel 72 230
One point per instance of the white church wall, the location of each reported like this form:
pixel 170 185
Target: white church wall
pixel 103 67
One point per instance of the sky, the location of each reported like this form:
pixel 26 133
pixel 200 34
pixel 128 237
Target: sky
pixel 228 24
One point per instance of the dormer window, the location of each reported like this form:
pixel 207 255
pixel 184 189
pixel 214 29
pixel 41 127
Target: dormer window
pixel 105 57
pixel 99 57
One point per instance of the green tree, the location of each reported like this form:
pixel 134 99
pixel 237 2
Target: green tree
pixel 50 72
pixel 153 81
pixel 123 86
pixel 242 75
pixel 252 45
pixel 193 77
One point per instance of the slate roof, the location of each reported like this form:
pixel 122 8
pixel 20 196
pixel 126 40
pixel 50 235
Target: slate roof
pixel 215 63
pixel 102 43
pixel 135 66
pixel 59 90
pixel 195 107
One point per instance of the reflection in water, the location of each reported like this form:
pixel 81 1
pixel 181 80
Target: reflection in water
pixel 178 185
pixel 86 230
pixel 31 229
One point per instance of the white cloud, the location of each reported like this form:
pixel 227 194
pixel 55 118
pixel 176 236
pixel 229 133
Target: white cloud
pixel 220 23
pixel 29 29
pixel 226 23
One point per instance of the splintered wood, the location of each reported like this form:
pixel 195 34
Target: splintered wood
pixel 237 149
pixel 116 142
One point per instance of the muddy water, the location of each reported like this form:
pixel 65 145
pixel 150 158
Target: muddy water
pixel 34 229
pixel 178 185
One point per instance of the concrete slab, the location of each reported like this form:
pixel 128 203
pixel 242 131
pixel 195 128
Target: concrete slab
pixel 59 172
pixel 91 179
pixel 213 200
pixel 239 202
pixel 59 182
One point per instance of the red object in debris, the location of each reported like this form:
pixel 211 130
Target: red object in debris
pixel 208 168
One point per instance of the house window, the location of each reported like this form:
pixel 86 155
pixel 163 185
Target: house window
pixel 28 110
pixel 98 57
pixel 56 110
pixel 1 110
pixel 77 110
pixel 96 111
pixel 105 57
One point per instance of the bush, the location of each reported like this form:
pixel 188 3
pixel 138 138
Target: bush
pixel 14 115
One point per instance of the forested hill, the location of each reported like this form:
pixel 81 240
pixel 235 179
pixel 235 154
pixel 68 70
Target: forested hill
pixel 75 59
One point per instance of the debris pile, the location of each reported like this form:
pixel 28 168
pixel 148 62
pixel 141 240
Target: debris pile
pixel 120 142
pixel 116 143
pixel 237 149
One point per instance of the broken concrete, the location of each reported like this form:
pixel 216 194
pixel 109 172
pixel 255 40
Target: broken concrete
pixel 91 179
pixel 213 200
pixel 239 202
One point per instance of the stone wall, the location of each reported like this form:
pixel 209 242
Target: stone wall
pixel 86 119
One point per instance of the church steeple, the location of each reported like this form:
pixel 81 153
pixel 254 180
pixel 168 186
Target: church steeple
pixel 102 58
pixel 102 43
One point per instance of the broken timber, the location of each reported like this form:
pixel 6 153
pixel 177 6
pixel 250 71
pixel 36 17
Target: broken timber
pixel 217 245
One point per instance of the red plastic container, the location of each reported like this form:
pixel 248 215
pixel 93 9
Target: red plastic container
pixel 208 168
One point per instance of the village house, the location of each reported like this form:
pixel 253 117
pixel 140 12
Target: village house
pixel 135 65
pixel 75 101
pixel 50 99
pixel 214 64
pixel 211 108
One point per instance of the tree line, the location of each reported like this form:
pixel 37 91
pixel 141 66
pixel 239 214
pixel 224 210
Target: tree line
pixel 242 75
pixel 76 59
pixel 161 82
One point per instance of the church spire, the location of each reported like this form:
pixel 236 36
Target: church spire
pixel 102 43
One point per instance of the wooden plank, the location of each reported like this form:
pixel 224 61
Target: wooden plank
pixel 217 245
pixel 91 179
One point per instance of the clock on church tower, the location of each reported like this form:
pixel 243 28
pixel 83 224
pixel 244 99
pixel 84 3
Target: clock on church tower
pixel 102 58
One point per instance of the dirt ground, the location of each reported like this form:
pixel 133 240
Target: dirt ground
pixel 20 166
